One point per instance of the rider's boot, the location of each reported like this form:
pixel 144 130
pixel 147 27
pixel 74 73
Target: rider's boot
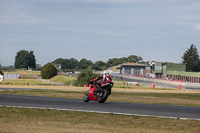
pixel 97 92
pixel 97 88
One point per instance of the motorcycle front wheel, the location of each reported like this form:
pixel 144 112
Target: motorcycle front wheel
pixel 103 96
pixel 86 97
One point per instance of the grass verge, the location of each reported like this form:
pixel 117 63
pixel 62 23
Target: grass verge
pixel 26 82
pixel 185 99
pixel 51 121
pixel 66 80
pixel 27 73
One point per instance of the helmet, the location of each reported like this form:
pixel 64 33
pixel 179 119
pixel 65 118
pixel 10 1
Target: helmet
pixel 105 72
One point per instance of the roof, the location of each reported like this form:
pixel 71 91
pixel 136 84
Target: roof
pixel 132 64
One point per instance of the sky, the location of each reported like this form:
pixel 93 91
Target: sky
pixel 161 30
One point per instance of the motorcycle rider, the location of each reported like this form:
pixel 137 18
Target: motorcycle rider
pixel 105 77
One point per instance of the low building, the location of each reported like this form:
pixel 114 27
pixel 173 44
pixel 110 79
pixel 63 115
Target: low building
pixel 132 69
pixel 162 69
pixel 149 69
pixel 174 71
pixel 1 77
pixel 11 76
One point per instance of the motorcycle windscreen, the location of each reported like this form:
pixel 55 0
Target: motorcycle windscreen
pixel 91 94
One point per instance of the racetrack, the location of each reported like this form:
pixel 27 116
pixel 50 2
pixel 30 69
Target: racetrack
pixel 168 111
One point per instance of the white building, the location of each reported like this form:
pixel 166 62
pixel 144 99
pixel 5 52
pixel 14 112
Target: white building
pixel 1 77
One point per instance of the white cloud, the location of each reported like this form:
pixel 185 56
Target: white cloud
pixel 16 16
pixel 197 27
pixel 9 13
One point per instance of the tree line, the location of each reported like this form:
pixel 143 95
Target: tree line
pixel 98 65
pixel 26 59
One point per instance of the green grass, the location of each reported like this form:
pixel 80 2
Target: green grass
pixel 140 85
pixel 27 73
pixel 184 99
pixel 66 80
pixel 51 121
pixel 27 82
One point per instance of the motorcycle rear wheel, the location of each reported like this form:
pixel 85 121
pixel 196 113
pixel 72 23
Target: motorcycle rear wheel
pixel 103 98
pixel 86 97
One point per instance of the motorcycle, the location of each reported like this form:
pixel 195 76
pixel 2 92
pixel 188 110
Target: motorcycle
pixel 102 95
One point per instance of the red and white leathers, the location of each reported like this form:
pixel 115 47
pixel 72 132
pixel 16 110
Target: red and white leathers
pixel 105 78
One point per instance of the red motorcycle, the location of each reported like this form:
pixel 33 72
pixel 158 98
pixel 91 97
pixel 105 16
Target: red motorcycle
pixel 102 95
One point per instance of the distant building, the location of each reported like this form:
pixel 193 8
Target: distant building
pixel 160 70
pixel 164 69
pixel 11 76
pixel 173 71
pixel 132 69
pixel 149 69
pixel 1 77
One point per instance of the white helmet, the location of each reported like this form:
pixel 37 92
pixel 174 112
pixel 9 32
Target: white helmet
pixel 105 72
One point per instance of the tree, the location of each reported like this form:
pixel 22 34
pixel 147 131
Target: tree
pixel 99 65
pixel 69 63
pixel 25 59
pixel 66 63
pixel 134 58
pixel 85 77
pixel 117 61
pixel 84 64
pixel 31 60
pixel 113 62
pixel 123 60
pixel 73 63
pixel 191 59
pixel 58 61
pixel 21 59
pixel 48 71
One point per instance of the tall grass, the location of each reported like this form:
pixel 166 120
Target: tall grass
pixel 66 80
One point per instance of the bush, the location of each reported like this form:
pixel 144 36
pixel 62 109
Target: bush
pixel 85 77
pixel 48 71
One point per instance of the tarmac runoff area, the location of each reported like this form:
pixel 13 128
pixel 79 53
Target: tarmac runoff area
pixel 65 88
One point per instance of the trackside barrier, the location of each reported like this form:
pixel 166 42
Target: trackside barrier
pixel 127 83
pixel 179 86
pixel 153 85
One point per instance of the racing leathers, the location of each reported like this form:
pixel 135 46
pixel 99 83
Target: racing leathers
pixel 105 77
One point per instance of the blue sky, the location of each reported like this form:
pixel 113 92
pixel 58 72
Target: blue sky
pixel 98 29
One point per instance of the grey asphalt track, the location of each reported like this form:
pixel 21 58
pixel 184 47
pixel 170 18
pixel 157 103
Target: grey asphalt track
pixel 180 112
